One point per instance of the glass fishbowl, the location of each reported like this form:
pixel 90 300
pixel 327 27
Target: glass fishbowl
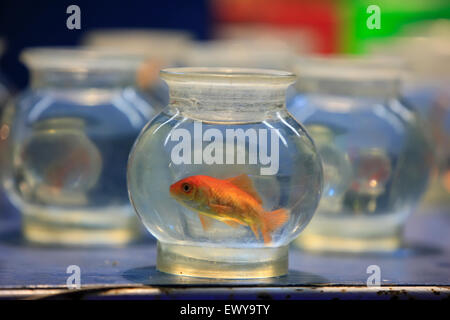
pixel 224 177
pixel 69 140
pixel 375 154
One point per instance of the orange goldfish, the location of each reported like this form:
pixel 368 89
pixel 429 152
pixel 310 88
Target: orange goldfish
pixel 233 201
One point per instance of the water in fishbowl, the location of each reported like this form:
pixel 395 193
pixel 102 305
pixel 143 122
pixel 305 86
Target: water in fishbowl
pixel 69 166
pixel 208 195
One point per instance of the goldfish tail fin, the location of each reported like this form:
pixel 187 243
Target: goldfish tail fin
pixel 272 221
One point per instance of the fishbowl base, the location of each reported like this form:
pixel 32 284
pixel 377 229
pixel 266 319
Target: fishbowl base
pixel 46 233
pixel 320 243
pixel 222 263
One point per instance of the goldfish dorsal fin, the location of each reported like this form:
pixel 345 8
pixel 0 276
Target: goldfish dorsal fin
pixel 244 183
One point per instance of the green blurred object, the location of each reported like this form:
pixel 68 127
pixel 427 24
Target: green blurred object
pixel 356 37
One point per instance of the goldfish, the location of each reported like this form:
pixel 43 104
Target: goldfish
pixel 233 201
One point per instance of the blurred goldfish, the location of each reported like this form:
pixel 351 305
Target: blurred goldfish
pixel 233 201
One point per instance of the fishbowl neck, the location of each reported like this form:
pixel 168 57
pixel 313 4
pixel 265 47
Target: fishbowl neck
pixel 227 94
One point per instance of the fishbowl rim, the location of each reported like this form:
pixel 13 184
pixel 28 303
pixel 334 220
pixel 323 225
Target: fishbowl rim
pixel 228 74
pixel 74 59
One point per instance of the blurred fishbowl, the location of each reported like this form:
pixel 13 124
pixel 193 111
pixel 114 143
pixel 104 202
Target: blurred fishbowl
pixel 161 47
pixel 243 53
pixel 5 95
pixel 296 39
pixel 68 145
pixel 426 48
pixel 375 153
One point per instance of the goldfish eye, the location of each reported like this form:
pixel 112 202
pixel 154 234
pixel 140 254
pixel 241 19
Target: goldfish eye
pixel 186 187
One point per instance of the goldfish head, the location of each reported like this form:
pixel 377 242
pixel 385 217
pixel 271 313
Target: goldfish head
pixel 184 190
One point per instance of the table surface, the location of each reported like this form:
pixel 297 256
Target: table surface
pixel 421 269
